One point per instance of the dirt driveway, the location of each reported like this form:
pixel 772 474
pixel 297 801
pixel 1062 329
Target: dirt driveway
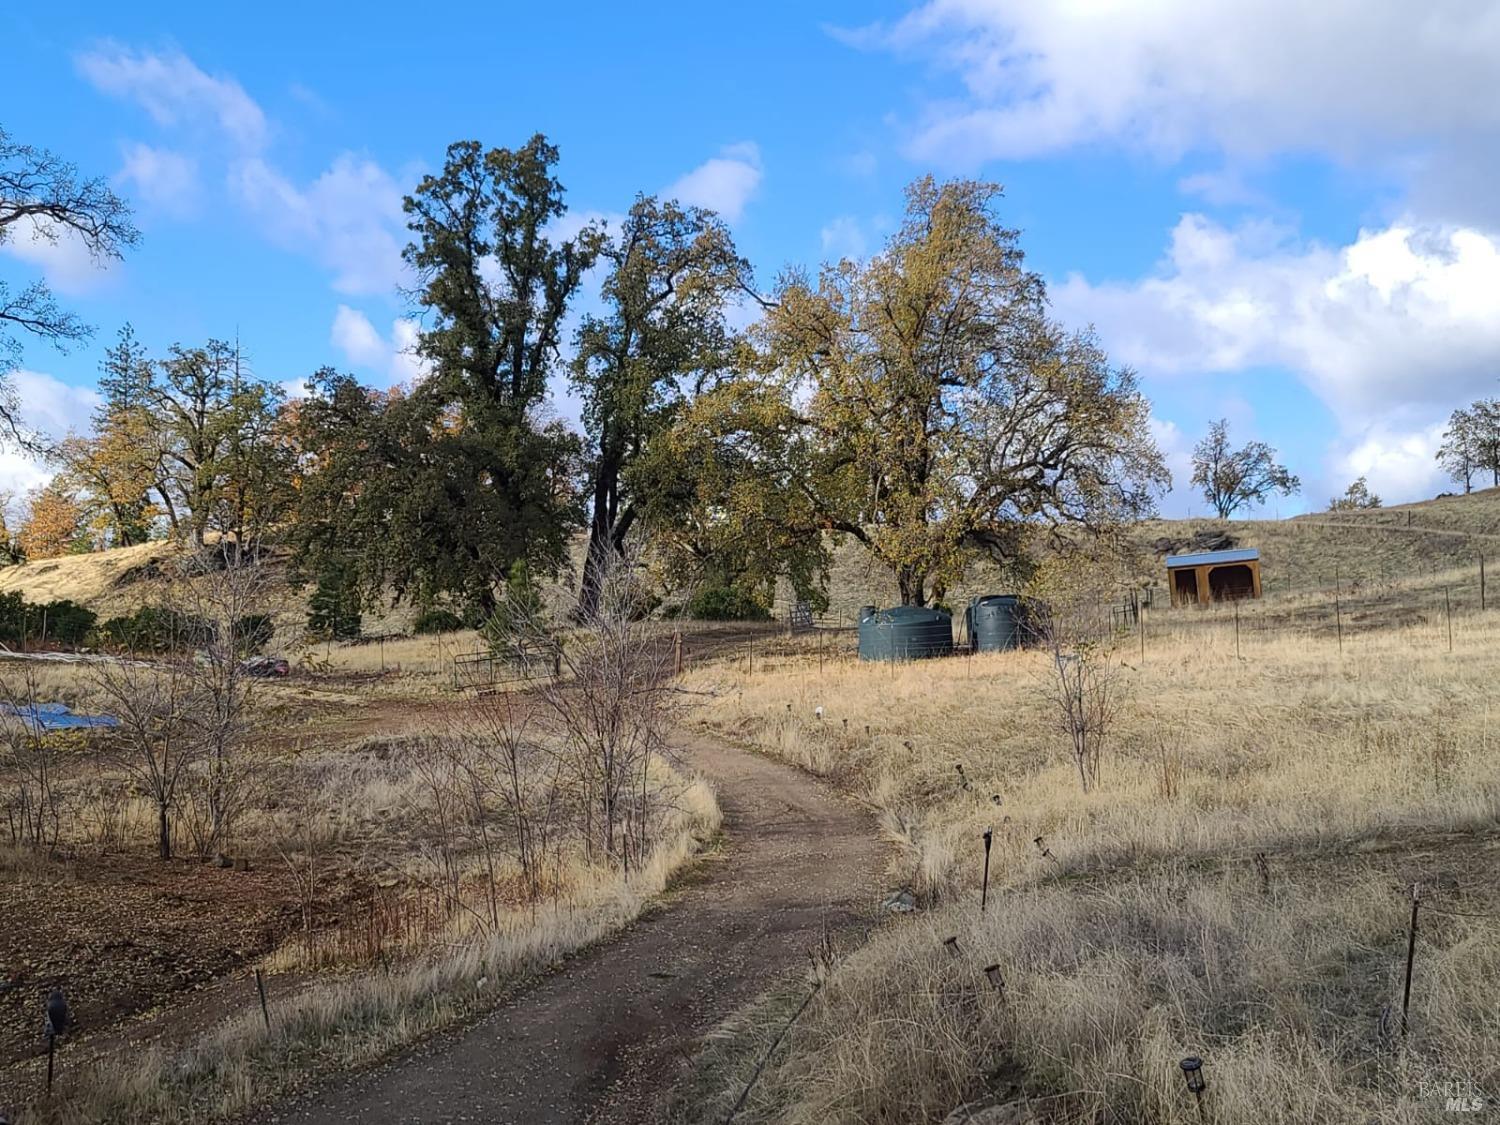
pixel 605 1037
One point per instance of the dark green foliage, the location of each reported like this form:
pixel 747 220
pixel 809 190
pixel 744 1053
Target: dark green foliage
pixel 518 613
pixel 333 610
pixel 726 603
pixel 12 618
pixel 437 621
pixel 661 335
pixel 253 632
pixel 153 629
pixel 64 621
pixel 438 489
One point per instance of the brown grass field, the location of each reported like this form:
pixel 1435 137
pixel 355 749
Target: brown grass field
pixel 1236 887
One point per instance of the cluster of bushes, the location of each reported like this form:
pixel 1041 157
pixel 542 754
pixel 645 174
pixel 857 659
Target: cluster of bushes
pixel 726 603
pixel 156 629
pixel 63 621
pixel 437 621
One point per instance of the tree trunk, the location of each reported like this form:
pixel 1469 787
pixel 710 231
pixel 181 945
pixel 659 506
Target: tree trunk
pixel 164 830
pixel 605 533
pixel 912 586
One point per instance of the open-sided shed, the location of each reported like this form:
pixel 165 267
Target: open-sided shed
pixel 1210 576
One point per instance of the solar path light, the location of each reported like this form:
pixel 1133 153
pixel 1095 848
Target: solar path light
pixel 984 893
pixel 1192 1074
pixel 54 1023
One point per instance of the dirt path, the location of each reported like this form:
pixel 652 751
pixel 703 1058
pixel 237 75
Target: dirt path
pixel 604 1038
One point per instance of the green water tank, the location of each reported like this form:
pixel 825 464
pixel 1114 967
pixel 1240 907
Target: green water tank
pixel 905 632
pixel 993 623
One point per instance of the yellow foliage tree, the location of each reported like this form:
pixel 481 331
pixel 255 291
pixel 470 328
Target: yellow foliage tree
pixel 53 523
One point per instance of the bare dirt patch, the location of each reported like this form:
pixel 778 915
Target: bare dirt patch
pixel 123 934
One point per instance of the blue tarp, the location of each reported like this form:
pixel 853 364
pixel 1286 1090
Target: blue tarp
pixel 55 716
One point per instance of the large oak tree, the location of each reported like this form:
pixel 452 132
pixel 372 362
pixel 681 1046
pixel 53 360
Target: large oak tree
pixel 660 336
pixel 440 490
pixel 925 404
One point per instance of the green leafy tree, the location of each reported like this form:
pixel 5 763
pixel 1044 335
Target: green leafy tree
pixel 439 490
pixel 1357 497
pixel 1234 479
pixel 1461 453
pixel 117 467
pixel 730 494
pixel 1486 435
pixel 671 272
pixel 333 609
pixel 924 403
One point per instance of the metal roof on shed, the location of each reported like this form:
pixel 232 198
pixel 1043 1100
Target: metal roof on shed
pixel 1213 558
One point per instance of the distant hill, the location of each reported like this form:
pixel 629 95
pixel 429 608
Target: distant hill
pixel 106 581
pixel 1378 544
pixel 1375 545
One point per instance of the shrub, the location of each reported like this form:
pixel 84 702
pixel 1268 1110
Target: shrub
pixel 437 621
pixel 519 612
pixel 154 629
pixel 333 609
pixel 64 621
pixel 253 632
pixel 12 617
pixel 726 603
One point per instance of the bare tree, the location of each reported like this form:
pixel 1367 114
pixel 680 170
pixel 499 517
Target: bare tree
pixel 228 591
pixel 608 709
pixel 442 811
pixel 301 834
pixel 34 810
pixel 1083 681
pixel 514 782
pixel 43 199
pixel 159 736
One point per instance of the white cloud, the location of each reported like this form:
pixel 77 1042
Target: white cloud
pixel 406 365
pixel 355 336
pixel 49 408
pixel 348 219
pixel 724 183
pixel 175 91
pixel 1407 318
pixel 1391 332
pixel 843 238
pixel 1177 451
pixel 65 260
pixel 1245 76
pixel 162 177
pixel 1397 465
pixel 395 357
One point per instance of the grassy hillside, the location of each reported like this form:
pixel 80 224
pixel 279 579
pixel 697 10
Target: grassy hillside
pixel 1370 547
pixel 1234 886
pixel 1366 548
pixel 103 580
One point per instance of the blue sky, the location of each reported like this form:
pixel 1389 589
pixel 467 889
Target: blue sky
pixel 1276 212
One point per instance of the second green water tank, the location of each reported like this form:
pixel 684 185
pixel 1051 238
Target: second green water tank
pixel 993 623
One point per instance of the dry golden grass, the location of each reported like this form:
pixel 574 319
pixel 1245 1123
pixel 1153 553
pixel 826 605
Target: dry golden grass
pixel 342 1023
pixel 1137 932
pixel 89 579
